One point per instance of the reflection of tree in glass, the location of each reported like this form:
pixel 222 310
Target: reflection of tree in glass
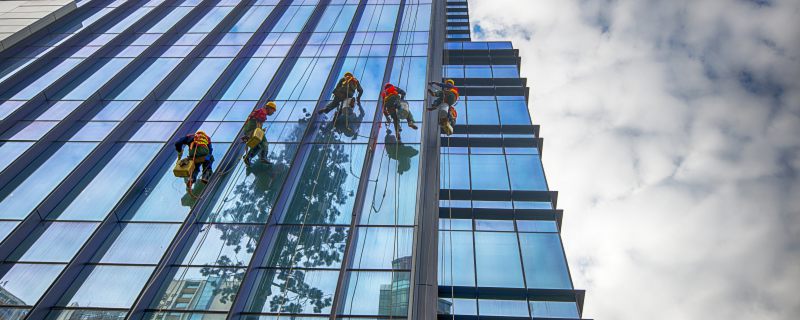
pixel 319 198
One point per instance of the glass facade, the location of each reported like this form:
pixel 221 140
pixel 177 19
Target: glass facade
pixel 94 225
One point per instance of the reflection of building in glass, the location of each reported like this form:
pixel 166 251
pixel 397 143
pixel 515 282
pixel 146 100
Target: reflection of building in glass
pixel 340 221
pixel 393 299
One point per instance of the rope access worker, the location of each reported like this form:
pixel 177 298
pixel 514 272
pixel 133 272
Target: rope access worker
pixel 446 98
pixel 344 92
pixel 255 121
pixel 200 151
pixel 394 107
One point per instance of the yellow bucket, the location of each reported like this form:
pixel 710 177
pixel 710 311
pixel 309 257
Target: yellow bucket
pixel 183 168
pixel 255 139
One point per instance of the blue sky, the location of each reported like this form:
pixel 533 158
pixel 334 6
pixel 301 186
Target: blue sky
pixel 672 133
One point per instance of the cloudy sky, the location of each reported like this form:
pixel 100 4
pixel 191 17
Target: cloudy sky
pixel 672 132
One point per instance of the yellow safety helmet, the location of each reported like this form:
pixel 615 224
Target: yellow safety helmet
pixel 271 105
pixel 450 82
pixel 348 74
pixel 201 132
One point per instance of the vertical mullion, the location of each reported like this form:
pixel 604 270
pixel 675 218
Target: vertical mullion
pixel 424 279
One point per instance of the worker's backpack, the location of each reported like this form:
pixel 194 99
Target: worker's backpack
pixel 200 139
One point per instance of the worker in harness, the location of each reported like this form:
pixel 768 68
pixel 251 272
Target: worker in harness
pixel 255 121
pixel 394 107
pixel 200 151
pixel 343 94
pixel 446 99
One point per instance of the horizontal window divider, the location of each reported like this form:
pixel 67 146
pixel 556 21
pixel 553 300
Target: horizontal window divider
pixel 566 295
pixel 36 262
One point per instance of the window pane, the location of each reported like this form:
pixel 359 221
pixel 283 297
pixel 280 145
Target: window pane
pixel 325 192
pixel 454 171
pixel 545 266
pixel 514 112
pixel 554 309
pixel 209 288
pixel 383 248
pixel 137 243
pixel 391 197
pixel 196 83
pixel 482 112
pixel 526 172
pixel 54 242
pixel 100 195
pixel 307 291
pixel 494 225
pixel 223 245
pixel 183 316
pixel 489 172
pixel 509 308
pixel 86 314
pixel 376 293
pixel 497 259
pixel 536 226
pixel 24 284
pixel 308 247
pixel 456 259
pixel 19 201
pixel 10 152
pixel 107 286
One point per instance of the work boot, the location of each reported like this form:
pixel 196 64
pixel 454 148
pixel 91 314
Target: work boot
pixel 206 175
pixel 412 126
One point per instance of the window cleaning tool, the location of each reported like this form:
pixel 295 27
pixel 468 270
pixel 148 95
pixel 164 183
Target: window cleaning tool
pixel 255 139
pixel 183 168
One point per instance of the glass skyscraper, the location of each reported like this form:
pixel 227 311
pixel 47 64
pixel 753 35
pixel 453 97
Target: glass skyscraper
pixel 343 223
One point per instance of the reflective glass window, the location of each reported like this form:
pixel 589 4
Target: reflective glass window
pixel 102 193
pixel 208 288
pixel 325 187
pixel 482 112
pixel 24 284
pixel 54 242
pixel 169 20
pixel 223 245
pixel 71 314
pixel 172 111
pixel 140 83
pixel 514 113
pixel 90 81
pixel 489 172
pixel 252 19
pixel 307 291
pixel 537 226
pixel 195 85
pixel 308 247
pixel 154 131
pixel 554 309
pixel 93 131
pixel 477 72
pixel 456 259
pixel 210 20
pixel 28 130
pixel 376 293
pixel 526 172
pixel 494 225
pixel 138 243
pixel 497 260
pixel 388 200
pixel 17 205
pixel 10 152
pixel 383 248
pixel 509 71
pixel 508 308
pixel 107 286
pixel 114 110
pixel 454 171
pixel 545 265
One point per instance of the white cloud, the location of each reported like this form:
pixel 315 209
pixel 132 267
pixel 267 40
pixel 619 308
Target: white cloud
pixel 672 131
